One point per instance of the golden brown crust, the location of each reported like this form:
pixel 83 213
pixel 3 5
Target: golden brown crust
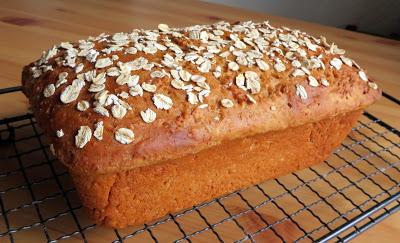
pixel 185 129
pixel 143 194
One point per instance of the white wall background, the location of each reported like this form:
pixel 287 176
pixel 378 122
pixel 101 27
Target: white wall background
pixel 380 17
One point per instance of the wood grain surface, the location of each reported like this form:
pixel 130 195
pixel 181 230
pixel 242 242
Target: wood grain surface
pixel 29 27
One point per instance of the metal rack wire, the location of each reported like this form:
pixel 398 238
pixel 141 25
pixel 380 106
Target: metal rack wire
pixel 357 187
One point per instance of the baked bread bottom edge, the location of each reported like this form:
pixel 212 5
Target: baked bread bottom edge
pixel 147 193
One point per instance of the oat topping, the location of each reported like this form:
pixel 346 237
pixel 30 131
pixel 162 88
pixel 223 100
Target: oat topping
pixel 49 90
pixel 298 72
pixel 101 110
pixel 202 106
pixel 227 103
pixel 130 50
pixel 130 80
pixel 251 99
pixel 123 95
pixel 301 91
pixel 192 98
pixel 98 130
pixel 198 78
pixel 163 27
pixel 346 61
pixel 335 50
pixel 113 72
pixel 201 82
pixel 313 81
pixel 148 115
pixel 279 67
pixel 310 45
pixel 66 45
pixel 372 85
pixel 79 68
pixel 103 62
pixel 83 136
pixel 177 84
pixel 325 82
pixel 124 135
pixel 240 81
pixel 193 61
pixel 252 82
pixel 233 66
pixel 136 90
pixel 217 73
pixel 99 78
pixel 336 63
pixel 305 70
pixel 184 75
pixel 62 79
pixel 149 87
pixel 296 64
pixel 157 74
pixel 36 72
pixel 118 111
pixel 82 105
pixel 60 133
pixel 262 64
pixel 96 87
pixel 71 92
pixel 162 102
pixel 363 76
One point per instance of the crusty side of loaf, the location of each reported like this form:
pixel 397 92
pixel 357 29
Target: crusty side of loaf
pixel 144 194
pixel 327 87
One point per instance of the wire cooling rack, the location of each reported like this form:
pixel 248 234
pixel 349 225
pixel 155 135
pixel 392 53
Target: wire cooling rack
pixel 355 188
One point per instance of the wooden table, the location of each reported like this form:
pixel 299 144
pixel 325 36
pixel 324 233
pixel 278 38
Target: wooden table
pixel 29 27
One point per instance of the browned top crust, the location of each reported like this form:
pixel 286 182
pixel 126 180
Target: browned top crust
pixel 116 102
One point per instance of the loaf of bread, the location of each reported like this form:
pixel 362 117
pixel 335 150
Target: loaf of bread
pixel 154 121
